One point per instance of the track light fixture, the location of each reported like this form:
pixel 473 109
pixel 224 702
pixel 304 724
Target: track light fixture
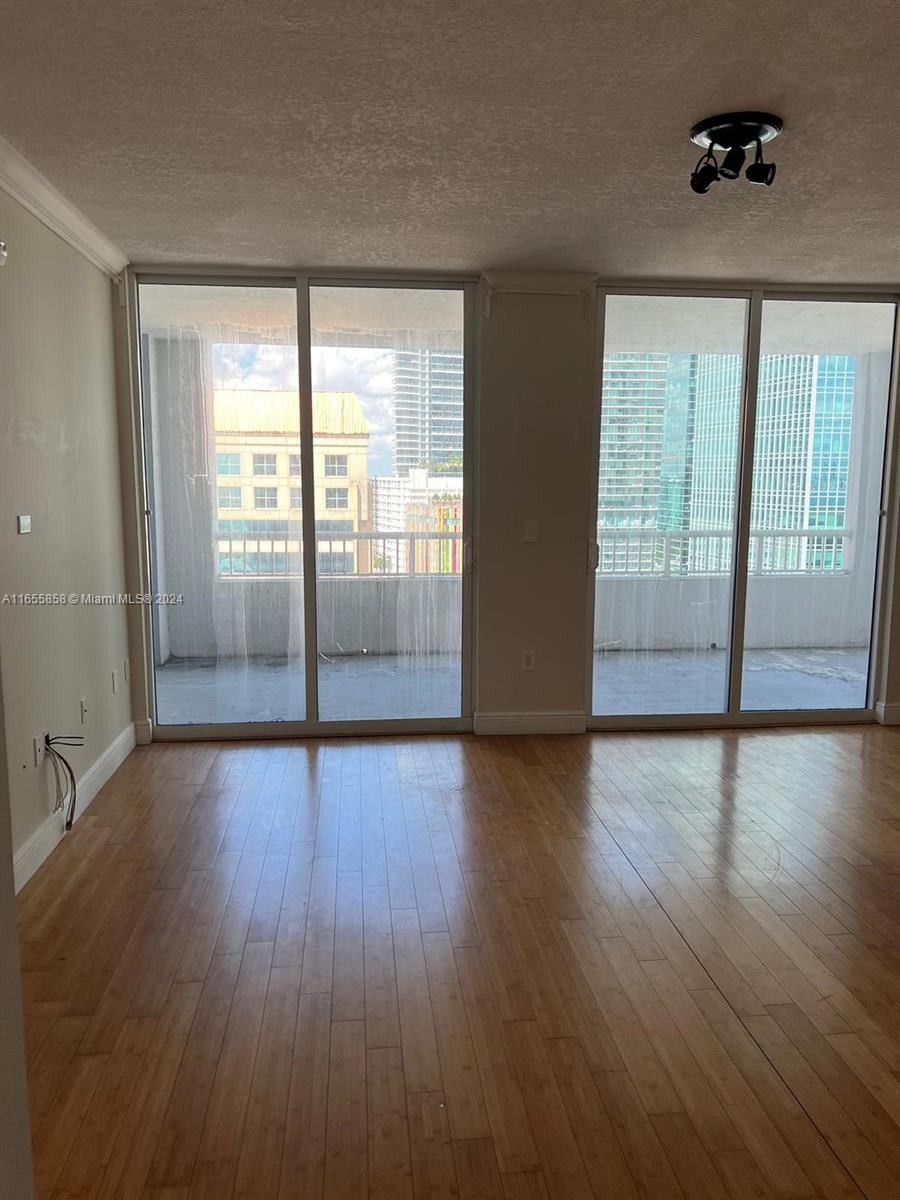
pixel 734 133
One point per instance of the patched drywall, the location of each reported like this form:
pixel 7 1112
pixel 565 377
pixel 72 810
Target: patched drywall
pixel 59 465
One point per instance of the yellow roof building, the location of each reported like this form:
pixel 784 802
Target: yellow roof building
pixel 268 411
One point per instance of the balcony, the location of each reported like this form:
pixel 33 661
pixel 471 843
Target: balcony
pixel 390 610
pixel 663 611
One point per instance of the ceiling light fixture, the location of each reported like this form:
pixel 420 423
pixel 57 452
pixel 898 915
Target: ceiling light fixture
pixel 734 133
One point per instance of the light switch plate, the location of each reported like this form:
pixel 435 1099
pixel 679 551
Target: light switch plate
pixel 23 523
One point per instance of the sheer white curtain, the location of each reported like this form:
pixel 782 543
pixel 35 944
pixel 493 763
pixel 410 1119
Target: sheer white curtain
pixel 387 375
pixel 220 394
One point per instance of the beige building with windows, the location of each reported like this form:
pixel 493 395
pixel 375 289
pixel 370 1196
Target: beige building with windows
pixel 258 486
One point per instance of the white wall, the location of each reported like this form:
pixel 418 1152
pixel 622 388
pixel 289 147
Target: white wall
pixel 59 462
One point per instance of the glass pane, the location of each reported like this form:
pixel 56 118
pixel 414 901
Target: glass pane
pixel 387 375
pixel 220 388
pixel 669 428
pixel 817 470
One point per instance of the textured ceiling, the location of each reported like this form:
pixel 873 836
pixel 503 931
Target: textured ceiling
pixel 462 135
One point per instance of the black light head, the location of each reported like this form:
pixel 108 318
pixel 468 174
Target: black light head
pixel 705 174
pixel 759 171
pixel 733 163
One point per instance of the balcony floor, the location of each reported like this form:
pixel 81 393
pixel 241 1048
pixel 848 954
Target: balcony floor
pixel 198 691
pixel 687 681
pixel 207 691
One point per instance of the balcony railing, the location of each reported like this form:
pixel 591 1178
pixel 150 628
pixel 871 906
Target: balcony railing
pixel 663 553
pixel 342 554
pixel 628 553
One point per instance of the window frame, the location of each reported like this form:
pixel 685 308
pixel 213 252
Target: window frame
pixel 330 492
pixel 233 488
pixel 257 473
pixel 230 455
pixel 268 488
pixel 342 459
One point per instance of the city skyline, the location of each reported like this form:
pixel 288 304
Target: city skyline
pixel 412 399
pixel 669 444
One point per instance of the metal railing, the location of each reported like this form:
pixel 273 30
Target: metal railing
pixel 341 554
pixel 625 553
pixel 683 553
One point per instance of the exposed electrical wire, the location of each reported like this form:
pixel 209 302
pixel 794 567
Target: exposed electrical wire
pixel 66 786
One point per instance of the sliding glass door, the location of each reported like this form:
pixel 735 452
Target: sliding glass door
pixel 388 444
pixel 821 413
pixel 333 452
pixel 741 456
pixel 669 438
pixel 222 440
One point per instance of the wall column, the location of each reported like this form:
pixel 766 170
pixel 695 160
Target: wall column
pixel 534 465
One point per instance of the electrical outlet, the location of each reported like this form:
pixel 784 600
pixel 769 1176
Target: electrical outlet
pixel 84 710
pixel 40 748
pixel 528 660
pixel 115 681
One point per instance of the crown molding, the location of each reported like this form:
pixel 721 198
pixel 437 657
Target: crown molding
pixel 22 181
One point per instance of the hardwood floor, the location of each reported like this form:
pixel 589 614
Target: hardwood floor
pixel 615 966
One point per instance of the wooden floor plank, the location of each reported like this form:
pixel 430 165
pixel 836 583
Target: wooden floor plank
pixel 303 1156
pixel 431 1147
pixel 346 1155
pixel 390 1170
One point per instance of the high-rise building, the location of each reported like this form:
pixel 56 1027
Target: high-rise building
pixel 646 434
pixel 428 410
pixel 390 499
pixel 668 458
pixel 801 453
pixel 419 503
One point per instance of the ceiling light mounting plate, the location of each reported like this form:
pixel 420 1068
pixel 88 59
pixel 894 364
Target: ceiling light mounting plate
pixel 736 129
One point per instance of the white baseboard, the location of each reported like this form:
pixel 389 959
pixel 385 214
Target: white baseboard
pixel 32 853
pixel 888 714
pixel 529 722
pixel 143 732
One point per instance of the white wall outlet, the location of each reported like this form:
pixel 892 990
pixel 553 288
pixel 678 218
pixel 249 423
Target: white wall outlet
pixel 528 660
pixel 115 681
pixel 126 670
pixel 40 748
pixel 23 523
pixel 84 710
